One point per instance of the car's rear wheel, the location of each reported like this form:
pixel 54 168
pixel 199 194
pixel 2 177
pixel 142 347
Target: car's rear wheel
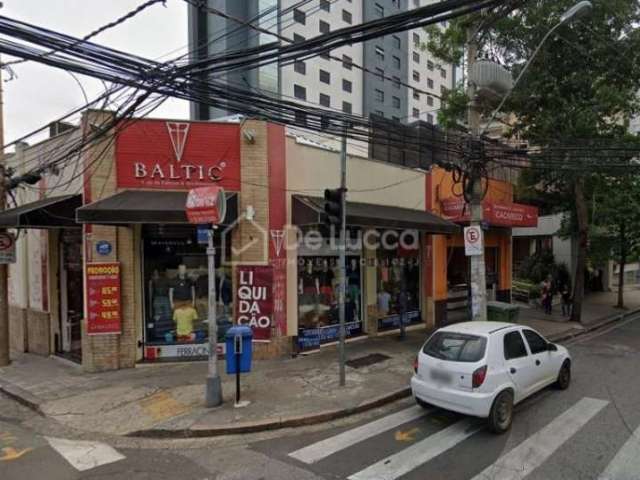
pixel 422 403
pixel 564 376
pixel 501 415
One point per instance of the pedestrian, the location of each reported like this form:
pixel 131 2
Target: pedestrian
pixel 565 293
pixel 547 295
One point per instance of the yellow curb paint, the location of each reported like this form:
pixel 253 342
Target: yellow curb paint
pixel 10 453
pixel 161 406
pixel 407 436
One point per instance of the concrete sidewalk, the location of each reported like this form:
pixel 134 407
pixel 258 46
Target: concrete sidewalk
pixel 167 399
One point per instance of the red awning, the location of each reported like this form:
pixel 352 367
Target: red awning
pixel 495 213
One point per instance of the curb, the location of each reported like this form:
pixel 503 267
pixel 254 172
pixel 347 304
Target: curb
pixel 563 337
pixel 276 423
pixel 22 397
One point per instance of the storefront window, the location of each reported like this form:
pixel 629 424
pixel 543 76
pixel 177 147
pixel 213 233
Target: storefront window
pixel 398 281
pixel 176 287
pixel 318 312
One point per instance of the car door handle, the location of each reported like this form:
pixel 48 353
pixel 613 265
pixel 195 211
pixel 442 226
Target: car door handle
pixel 513 370
pixel 537 362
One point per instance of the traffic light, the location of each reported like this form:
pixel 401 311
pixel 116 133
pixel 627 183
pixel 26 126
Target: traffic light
pixel 333 206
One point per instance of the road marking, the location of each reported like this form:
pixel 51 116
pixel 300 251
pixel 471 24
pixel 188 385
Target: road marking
pixel 329 446
pixel 10 453
pixel 535 450
pixel 406 436
pixel 84 455
pixel 411 458
pixel 626 464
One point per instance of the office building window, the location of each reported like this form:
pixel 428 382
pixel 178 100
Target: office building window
pixel 380 53
pixel 416 75
pixel 346 107
pixel 396 3
pixel 430 82
pixel 416 113
pixel 324 27
pixel 300 67
pixel 379 9
pixel 301 118
pixel 416 3
pixel 347 85
pixel 299 16
pixel 325 100
pixel 416 57
pixel 325 77
pixel 430 118
pixel 396 82
pixel 379 96
pixel 430 101
pixel 416 95
pixel 324 122
pixel 396 62
pixel 380 74
pixel 380 113
pixel 443 73
pixel 416 39
pixel 347 62
pixel 396 41
pixel 430 65
pixel 297 38
pixel 443 90
pixel 299 92
pixel 325 5
pixel 346 16
pixel 395 119
pixel 396 102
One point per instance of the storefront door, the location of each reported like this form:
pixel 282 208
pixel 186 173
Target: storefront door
pixel 71 294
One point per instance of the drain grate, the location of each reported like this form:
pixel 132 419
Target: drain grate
pixel 367 360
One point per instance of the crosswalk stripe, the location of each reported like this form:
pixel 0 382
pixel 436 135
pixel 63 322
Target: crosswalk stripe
pixel 626 464
pixel 411 458
pixel 329 446
pixel 531 453
pixel 84 455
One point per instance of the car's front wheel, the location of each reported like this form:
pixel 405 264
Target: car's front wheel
pixel 564 376
pixel 422 403
pixel 501 415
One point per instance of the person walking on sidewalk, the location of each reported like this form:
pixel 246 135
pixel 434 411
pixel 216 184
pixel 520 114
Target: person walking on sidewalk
pixel 547 295
pixel 565 294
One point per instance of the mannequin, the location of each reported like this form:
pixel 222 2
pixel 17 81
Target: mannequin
pixel 182 289
pixel 384 299
pixel 325 281
pixel 353 284
pixel 159 304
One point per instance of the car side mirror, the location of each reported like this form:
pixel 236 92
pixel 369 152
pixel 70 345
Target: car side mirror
pixel 551 347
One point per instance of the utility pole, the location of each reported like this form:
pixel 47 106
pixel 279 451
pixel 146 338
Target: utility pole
pixel 4 269
pixel 477 276
pixel 343 258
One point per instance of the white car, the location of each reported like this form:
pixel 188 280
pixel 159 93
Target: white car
pixel 484 368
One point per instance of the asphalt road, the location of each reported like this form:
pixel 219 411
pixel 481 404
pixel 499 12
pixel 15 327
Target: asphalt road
pixel 590 431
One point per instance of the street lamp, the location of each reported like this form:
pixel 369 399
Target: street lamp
pixel 579 10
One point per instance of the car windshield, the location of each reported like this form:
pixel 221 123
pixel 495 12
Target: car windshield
pixel 456 347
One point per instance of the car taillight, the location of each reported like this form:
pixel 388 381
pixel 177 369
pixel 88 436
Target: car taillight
pixel 478 376
pixel 415 365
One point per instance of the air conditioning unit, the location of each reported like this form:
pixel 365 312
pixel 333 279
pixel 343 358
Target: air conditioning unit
pixel 492 80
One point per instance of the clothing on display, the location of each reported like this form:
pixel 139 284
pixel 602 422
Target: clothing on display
pixel 184 316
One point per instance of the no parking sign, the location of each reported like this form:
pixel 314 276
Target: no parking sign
pixel 473 243
pixel 7 248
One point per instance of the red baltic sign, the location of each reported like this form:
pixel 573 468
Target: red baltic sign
pixel 254 300
pixel 178 155
pixel 206 205
pixel 103 307
pixel 497 214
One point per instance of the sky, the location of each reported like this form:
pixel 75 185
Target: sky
pixel 41 94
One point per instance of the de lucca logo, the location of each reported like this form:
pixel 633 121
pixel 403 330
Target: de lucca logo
pixel 178 170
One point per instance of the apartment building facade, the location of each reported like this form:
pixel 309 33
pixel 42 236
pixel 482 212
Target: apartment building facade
pixel 391 76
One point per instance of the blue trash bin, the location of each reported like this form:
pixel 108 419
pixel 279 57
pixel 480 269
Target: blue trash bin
pixel 244 336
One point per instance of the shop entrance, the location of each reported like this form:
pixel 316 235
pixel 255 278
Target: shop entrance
pixel 71 291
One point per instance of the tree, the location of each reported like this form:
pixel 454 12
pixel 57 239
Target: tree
pixel 616 222
pixel 579 91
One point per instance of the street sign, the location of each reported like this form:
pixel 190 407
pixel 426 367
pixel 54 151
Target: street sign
pixel 473 244
pixel 7 248
pixel 206 205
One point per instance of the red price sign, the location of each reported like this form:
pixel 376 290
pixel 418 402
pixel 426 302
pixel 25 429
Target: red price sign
pixel 103 307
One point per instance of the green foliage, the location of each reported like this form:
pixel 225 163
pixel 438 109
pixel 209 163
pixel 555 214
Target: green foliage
pixel 533 289
pixel 454 108
pixel 535 268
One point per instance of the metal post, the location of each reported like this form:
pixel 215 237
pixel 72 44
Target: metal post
pixel 4 291
pixel 477 274
pixel 213 394
pixel 343 258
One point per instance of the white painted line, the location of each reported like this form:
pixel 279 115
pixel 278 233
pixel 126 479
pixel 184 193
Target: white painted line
pixel 420 453
pixel 535 450
pixel 329 446
pixel 84 455
pixel 626 464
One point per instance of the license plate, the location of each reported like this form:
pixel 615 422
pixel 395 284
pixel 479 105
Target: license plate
pixel 440 376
